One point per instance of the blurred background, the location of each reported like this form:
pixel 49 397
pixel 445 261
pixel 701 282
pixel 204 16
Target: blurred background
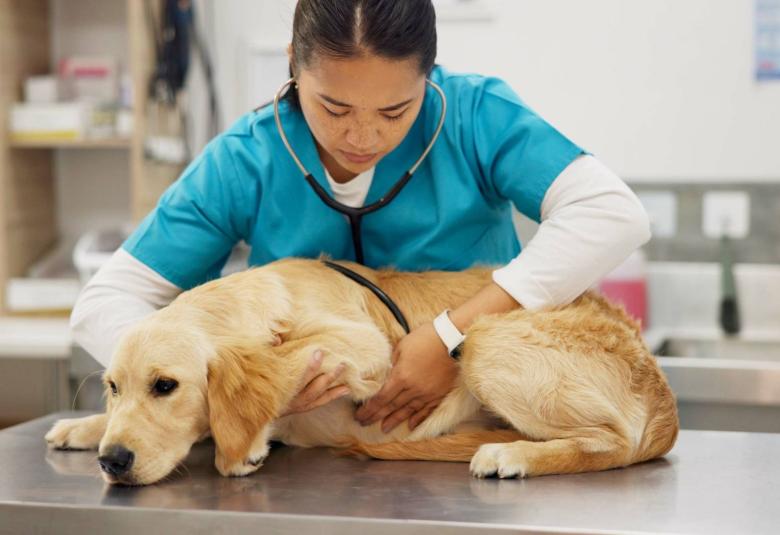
pixel 103 103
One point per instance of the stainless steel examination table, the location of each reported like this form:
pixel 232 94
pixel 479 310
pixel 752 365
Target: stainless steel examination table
pixel 712 482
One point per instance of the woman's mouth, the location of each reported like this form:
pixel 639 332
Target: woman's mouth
pixel 359 158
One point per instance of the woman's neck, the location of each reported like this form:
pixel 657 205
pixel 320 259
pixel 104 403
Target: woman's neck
pixel 338 173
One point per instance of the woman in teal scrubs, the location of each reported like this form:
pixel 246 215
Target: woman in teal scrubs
pixel 360 112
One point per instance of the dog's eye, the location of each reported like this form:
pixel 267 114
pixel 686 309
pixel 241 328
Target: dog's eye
pixel 165 386
pixel 112 384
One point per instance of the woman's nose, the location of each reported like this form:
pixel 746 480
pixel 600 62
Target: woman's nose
pixel 363 136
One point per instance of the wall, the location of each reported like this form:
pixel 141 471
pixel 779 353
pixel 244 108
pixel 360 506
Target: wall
pixel 762 245
pixel 237 24
pixel 659 90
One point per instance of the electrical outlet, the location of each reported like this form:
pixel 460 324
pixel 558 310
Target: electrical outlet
pixel 661 207
pixel 726 213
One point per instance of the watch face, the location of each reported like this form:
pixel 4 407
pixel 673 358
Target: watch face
pixel 455 353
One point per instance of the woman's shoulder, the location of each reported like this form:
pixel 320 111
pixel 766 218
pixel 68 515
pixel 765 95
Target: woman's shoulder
pixel 465 83
pixel 253 133
pixel 242 152
pixel 253 124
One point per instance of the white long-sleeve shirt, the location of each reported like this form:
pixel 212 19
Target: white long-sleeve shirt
pixel 591 222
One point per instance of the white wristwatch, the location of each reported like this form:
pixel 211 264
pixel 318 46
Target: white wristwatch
pixel 448 333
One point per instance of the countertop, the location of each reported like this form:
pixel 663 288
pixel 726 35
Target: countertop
pixel 712 482
pixel 36 338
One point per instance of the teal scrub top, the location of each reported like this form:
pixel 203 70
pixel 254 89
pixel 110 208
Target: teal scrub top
pixel 455 212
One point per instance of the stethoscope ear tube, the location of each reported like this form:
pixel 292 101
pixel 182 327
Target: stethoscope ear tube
pixel 354 214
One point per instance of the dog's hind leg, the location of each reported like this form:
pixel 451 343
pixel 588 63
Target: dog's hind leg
pixel 559 456
pixel 576 407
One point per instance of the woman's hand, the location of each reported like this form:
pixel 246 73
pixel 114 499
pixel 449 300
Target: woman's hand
pixel 318 388
pixel 422 374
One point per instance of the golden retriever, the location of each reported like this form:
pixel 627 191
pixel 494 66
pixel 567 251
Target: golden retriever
pixel 564 390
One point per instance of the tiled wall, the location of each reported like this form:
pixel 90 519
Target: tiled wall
pixel 689 244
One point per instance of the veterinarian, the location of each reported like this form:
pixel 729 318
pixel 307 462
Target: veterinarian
pixel 358 114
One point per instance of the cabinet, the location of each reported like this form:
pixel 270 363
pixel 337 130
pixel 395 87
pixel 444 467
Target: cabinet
pixel 28 181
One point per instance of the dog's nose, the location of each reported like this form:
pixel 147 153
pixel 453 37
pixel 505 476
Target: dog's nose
pixel 117 460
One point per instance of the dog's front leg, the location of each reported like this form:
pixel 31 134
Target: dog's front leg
pixel 258 451
pixel 365 353
pixel 77 433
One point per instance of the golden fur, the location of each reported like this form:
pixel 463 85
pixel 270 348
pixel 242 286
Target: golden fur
pixel 564 390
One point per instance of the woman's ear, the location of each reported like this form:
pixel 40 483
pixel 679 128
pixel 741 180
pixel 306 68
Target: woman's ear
pixel 246 390
pixel 293 72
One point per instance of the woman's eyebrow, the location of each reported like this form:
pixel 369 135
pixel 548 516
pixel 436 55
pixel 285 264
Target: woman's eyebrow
pixel 345 105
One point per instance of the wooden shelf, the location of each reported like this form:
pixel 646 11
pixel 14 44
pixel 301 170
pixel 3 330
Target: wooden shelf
pixel 108 143
pixel 28 219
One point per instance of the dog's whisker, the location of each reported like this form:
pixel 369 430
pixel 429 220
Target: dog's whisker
pixel 78 390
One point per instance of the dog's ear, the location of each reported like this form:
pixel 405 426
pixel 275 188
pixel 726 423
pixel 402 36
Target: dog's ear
pixel 247 387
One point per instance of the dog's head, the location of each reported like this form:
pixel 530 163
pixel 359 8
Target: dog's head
pixel 156 401
pixel 173 379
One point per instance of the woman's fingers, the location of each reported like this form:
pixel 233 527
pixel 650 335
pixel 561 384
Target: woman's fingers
pixel 401 415
pixel 318 387
pixel 419 417
pixel 382 410
pixel 313 368
pixel 323 381
pixel 393 387
pixel 328 396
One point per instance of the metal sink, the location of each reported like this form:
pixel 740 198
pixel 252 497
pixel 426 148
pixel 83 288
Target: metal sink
pixel 729 384
pixel 724 348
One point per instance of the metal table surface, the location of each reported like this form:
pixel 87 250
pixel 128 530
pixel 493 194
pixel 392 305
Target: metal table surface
pixel 711 482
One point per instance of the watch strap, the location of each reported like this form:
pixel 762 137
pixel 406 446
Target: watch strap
pixel 449 333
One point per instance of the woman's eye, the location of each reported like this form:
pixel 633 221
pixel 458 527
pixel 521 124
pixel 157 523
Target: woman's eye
pixel 165 386
pixel 393 117
pixel 112 385
pixel 335 114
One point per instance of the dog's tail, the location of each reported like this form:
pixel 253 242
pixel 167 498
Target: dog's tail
pixel 459 447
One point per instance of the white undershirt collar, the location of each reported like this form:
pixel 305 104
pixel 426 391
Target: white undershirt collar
pixel 354 192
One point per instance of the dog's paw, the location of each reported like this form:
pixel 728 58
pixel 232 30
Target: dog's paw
pixel 242 468
pixel 76 434
pixel 246 466
pixel 503 460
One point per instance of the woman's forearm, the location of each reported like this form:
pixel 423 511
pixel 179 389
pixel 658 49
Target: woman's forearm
pixel 491 299
pixel 121 293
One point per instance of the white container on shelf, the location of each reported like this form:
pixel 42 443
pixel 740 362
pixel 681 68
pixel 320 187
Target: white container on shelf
pixel 62 120
pixel 124 123
pixel 50 285
pixel 94 249
pixel 45 89
pixel 41 295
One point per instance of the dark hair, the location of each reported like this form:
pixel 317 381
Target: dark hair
pixel 395 29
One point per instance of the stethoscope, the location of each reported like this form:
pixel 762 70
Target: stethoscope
pixel 355 215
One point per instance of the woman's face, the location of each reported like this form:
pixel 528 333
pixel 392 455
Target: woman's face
pixel 359 109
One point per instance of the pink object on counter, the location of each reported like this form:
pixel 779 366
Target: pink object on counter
pixel 627 285
pixel 632 294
